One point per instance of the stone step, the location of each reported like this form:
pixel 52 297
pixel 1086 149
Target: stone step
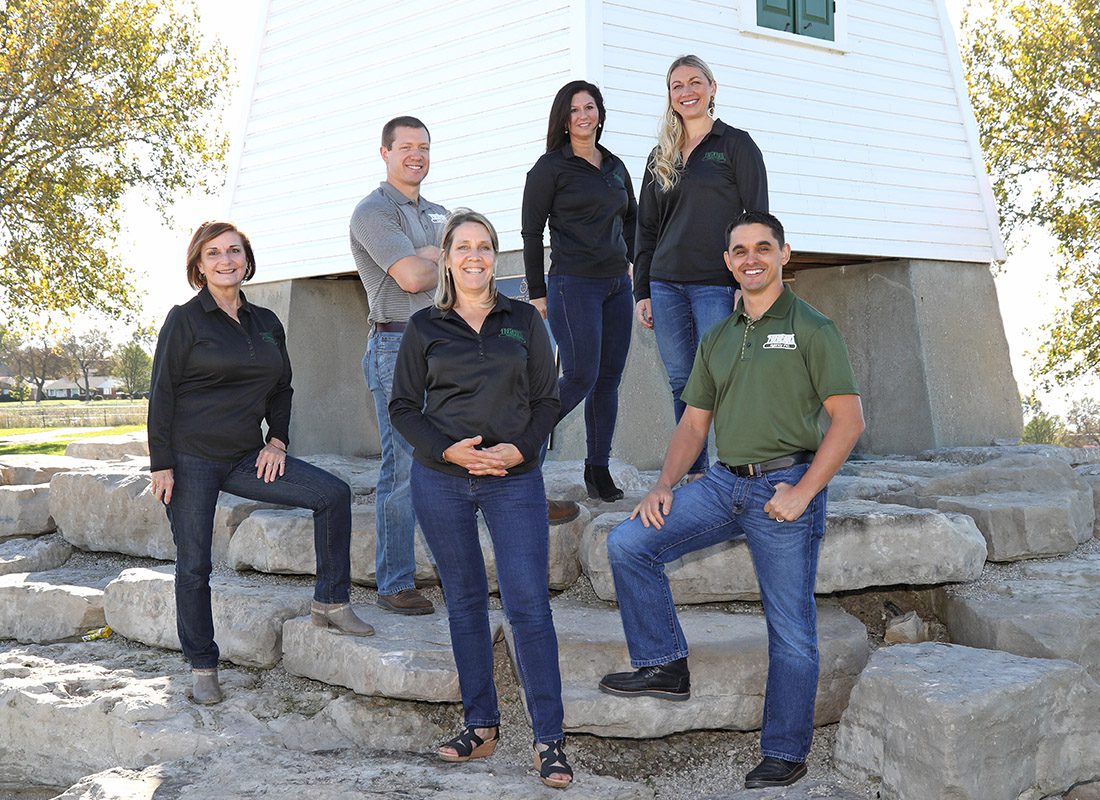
pixel 934 720
pixel 728 661
pixel 408 657
pixel 565 480
pixel 281 542
pixel 33 555
pixel 1090 474
pixel 25 510
pixel 1026 506
pixel 866 544
pixel 361 474
pixel 248 615
pixel 805 789
pixel 26 468
pixel 109 448
pixel 288 775
pixel 69 710
pixel 112 510
pixel 1047 609
pixel 50 606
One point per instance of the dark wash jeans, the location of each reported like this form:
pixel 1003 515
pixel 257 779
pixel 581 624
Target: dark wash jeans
pixel 197 482
pixel 514 508
pixel 591 320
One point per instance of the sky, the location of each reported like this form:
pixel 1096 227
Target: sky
pixel 1026 283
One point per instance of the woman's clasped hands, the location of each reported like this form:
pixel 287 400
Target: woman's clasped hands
pixel 495 460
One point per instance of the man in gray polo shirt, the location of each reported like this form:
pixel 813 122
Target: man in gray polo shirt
pixel 395 236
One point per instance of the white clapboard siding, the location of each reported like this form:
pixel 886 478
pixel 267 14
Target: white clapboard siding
pixel 870 145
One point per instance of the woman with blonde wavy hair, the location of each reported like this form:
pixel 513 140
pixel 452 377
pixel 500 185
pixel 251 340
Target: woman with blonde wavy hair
pixel 700 176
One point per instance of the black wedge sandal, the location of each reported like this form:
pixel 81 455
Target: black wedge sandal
pixel 468 746
pixel 552 764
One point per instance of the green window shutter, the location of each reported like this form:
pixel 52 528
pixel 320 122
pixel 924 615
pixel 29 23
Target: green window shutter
pixel 777 14
pixel 814 18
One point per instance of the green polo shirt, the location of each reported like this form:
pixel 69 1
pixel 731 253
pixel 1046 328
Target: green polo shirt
pixel 765 381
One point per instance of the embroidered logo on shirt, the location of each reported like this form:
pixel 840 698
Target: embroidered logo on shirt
pixel 715 156
pixel 780 341
pixel 438 219
pixel 514 334
pixel 268 336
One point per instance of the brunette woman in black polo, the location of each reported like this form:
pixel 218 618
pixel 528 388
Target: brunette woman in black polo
pixel 585 192
pixel 221 369
pixel 475 393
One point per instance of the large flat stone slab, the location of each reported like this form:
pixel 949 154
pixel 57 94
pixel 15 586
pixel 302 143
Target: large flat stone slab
pixel 26 468
pixel 279 774
pixel 944 721
pixel 50 606
pixel 361 474
pixel 408 657
pixel 565 480
pixel 1026 506
pixel 69 710
pixel 33 555
pixel 281 542
pixel 109 448
pixel 111 509
pixel 982 455
pixel 25 510
pixel 1050 609
pixel 728 661
pixel 866 544
pixel 248 616
pixel 805 789
pixel 1091 475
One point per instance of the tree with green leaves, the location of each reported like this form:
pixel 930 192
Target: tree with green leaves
pixel 132 362
pixel 97 98
pixel 87 354
pixel 1083 419
pixel 1033 68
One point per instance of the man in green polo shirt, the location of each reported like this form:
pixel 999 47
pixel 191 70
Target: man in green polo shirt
pixel 762 375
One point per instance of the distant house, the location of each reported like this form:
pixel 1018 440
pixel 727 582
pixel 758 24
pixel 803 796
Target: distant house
pixel 63 388
pixel 862 115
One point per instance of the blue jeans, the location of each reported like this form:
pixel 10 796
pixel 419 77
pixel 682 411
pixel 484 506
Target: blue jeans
pixel 716 508
pixel 197 482
pixel 514 508
pixel 591 321
pixel 395 525
pixel 682 313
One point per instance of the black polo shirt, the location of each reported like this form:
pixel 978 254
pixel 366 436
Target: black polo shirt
pixel 215 381
pixel 681 233
pixel 592 215
pixel 452 383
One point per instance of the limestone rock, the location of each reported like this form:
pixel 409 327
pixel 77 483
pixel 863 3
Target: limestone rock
pixel 109 448
pixel 25 510
pixel 1050 610
pixel 1026 506
pixel 361 474
pixel 111 510
pixel 1091 475
pixel 69 710
pixel 981 455
pixel 909 628
pixel 281 542
pixel 565 479
pixel 33 555
pixel 805 789
pixel 938 721
pixel 229 514
pixel 278 774
pixel 728 662
pixel 26 468
pixel 408 657
pixel 248 616
pixel 865 544
pixel 49 606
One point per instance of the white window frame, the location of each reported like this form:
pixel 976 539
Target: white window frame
pixel 749 27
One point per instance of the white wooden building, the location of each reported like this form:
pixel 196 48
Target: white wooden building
pixel 872 153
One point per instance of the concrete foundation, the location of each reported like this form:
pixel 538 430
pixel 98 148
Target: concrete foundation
pixel 929 351
pixel 926 341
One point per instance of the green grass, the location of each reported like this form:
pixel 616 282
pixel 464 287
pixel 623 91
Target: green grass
pixel 56 447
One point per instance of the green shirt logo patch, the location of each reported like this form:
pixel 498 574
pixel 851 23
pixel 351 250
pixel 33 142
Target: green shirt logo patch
pixel 715 156
pixel 268 336
pixel 514 334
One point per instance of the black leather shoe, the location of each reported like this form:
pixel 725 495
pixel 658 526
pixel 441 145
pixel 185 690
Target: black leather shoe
pixel 775 772
pixel 599 483
pixel 669 681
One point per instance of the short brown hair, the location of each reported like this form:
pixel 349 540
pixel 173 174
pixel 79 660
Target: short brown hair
pixel 203 234
pixel 389 130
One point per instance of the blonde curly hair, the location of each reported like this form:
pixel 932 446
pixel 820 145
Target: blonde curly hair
pixel 666 163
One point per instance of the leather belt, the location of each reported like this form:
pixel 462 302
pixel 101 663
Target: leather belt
pixel 390 327
pixel 764 467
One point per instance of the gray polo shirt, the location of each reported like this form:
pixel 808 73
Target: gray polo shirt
pixel 385 227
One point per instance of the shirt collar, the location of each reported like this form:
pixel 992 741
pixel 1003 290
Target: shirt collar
pixel 777 310
pixel 208 303
pixel 567 151
pixel 391 191
pixel 503 306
